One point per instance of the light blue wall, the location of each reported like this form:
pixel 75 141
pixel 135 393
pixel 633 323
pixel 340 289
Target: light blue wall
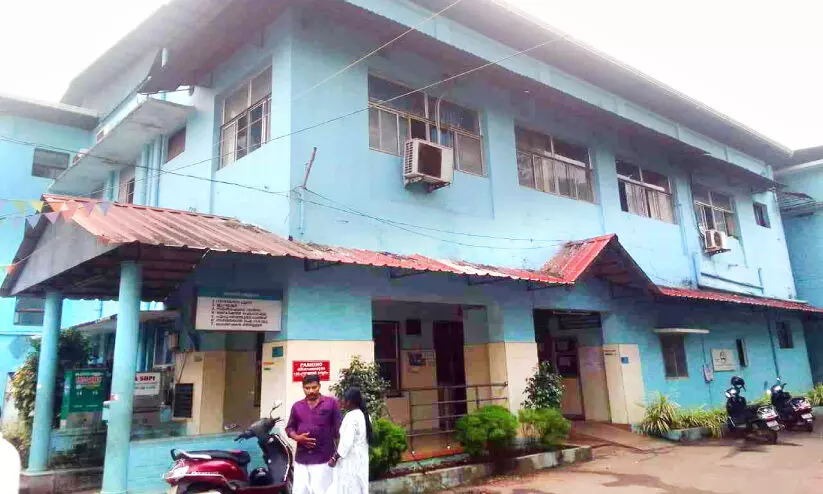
pixel 18 183
pixel 336 304
pixel 306 48
pixel 804 236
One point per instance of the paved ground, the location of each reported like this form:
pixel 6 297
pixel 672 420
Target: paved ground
pixel 795 465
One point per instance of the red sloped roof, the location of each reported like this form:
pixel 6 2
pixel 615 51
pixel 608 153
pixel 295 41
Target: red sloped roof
pixel 575 257
pixel 712 296
pixel 129 223
pixel 133 224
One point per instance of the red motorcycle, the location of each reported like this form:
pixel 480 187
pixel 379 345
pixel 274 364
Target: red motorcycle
pixel 221 472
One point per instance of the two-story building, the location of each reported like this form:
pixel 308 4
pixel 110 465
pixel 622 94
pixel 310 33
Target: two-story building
pixel 477 195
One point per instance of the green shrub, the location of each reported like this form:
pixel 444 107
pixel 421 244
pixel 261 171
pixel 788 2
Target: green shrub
pixel 73 351
pixel 488 430
pixel 387 447
pixel 710 419
pixel 365 376
pixel 815 396
pixel 547 425
pixel 544 389
pixel 660 415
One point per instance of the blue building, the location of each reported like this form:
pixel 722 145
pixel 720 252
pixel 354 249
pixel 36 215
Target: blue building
pixel 800 207
pixel 477 196
pixel 33 133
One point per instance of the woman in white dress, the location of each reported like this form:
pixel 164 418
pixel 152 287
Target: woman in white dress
pixel 351 461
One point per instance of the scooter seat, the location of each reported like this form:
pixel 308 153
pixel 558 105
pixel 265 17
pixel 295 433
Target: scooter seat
pixel 240 457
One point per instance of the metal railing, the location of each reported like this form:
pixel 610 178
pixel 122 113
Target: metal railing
pixel 452 403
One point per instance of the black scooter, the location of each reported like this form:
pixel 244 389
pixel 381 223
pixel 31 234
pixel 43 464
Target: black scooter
pixel 792 412
pixel 746 420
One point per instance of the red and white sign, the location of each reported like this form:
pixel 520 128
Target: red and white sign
pixel 303 368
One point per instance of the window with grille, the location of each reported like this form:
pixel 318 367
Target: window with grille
pixel 674 355
pixel 761 215
pixel 246 114
pixel 397 113
pixel 552 165
pixel 49 164
pixel 715 211
pixel 28 311
pixel 644 192
pixel 387 352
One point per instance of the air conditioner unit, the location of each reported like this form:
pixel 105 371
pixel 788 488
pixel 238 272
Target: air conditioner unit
pixel 427 162
pixel 715 241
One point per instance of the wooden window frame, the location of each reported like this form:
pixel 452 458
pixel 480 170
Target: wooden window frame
pixel 47 170
pixel 667 353
pixel 649 190
pixel 394 391
pixel 231 127
pixel 700 208
pixel 761 214
pixel 430 121
pixel 173 153
pixel 556 159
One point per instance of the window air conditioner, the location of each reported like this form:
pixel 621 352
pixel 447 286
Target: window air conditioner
pixel 715 241
pixel 427 162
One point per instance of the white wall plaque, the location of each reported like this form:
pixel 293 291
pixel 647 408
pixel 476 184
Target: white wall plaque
pixel 723 359
pixel 237 313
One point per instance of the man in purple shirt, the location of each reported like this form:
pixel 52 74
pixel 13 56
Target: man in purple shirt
pixel 314 424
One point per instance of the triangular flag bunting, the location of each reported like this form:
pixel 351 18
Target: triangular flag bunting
pixel 52 216
pixel 32 220
pixel 63 206
pixel 21 206
pixel 10 268
pixel 68 213
pixel 89 207
pixel 37 206
pixel 105 206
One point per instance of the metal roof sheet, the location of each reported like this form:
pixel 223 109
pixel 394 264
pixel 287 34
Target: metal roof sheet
pixel 129 223
pixel 712 296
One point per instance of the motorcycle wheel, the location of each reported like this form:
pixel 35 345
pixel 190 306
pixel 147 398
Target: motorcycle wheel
pixel 809 427
pixel 771 436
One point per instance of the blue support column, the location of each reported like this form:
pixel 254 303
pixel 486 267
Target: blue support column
pixel 46 377
pixel 115 468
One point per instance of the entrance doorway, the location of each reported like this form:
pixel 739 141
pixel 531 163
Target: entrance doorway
pixel 572 342
pixel 451 371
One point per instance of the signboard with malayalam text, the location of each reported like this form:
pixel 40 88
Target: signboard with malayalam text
pixel 303 368
pixel 237 311
pixel 84 391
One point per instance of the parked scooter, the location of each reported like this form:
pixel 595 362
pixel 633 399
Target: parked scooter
pixel 750 420
pixel 220 472
pixel 791 412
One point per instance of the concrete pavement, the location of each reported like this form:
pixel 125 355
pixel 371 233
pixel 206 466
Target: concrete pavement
pixel 794 465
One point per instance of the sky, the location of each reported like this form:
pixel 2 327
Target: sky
pixel 756 61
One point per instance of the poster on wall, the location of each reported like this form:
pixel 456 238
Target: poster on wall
pixel 237 311
pixel 723 359
pixel 303 368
